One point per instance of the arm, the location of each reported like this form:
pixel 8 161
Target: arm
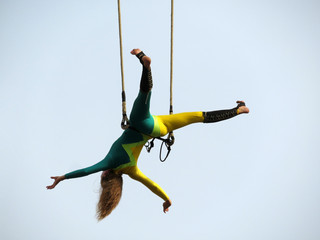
pixel 100 166
pixel 137 175
pixel 78 173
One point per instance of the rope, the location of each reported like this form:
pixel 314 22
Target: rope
pixel 124 121
pixel 170 139
pixel 171 136
pixel 171 58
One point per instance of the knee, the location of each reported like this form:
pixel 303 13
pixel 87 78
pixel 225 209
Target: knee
pixel 163 130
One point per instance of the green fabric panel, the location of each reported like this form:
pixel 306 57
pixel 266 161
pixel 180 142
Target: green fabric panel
pixel 120 154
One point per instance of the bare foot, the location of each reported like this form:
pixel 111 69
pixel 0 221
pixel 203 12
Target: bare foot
pixel 145 59
pixel 242 109
pixel 135 51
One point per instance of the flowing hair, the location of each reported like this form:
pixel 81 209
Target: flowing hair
pixel 110 194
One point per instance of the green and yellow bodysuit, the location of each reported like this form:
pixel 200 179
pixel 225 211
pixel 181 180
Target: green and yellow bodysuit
pixel 124 153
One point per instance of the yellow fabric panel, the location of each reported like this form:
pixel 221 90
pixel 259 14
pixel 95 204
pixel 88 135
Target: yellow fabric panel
pixel 133 150
pixel 162 125
pixel 172 122
pixel 135 173
pixel 156 127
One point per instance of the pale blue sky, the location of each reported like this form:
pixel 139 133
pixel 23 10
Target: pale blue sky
pixel 251 177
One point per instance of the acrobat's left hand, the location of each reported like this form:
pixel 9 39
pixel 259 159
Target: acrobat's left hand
pixel 166 206
pixel 56 181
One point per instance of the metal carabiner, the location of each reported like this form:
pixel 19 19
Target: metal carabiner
pixel 124 122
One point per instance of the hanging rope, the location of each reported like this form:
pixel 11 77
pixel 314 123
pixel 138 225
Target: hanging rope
pixel 171 136
pixel 170 139
pixel 124 121
pixel 171 58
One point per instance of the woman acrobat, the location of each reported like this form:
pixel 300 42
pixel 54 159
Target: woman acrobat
pixel 123 154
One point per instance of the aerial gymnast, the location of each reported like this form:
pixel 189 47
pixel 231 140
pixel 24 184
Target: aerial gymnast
pixel 123 155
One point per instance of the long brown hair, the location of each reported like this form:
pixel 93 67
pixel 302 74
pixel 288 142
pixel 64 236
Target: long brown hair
pixel 110 194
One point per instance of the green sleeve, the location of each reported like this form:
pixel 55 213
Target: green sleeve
pixel 86 171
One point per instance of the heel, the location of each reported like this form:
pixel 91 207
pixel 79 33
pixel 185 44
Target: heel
pixel 140 55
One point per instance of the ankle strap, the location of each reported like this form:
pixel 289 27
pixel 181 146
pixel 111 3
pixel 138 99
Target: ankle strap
pixel 140 55
pixel 241 104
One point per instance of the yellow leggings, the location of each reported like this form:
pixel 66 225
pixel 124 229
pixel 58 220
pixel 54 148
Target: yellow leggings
pixel 168 123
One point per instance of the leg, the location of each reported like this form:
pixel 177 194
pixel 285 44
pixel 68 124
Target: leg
pixel 146 78
pixel 140 110
pixel 168 123
pixel 216 116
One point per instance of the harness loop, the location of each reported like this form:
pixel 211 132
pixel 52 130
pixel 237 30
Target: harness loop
pixel 168 145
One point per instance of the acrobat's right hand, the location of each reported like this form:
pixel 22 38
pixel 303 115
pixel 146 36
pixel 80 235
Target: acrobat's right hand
pixel 56 181
pixel 166 206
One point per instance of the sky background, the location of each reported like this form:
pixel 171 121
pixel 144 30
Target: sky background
pixel 252 177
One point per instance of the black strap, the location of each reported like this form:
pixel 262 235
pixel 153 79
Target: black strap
pixel 241 104
pixel 168 145
pixel 150 144
pixel 140 55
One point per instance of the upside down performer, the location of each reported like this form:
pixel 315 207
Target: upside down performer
pixel 123 155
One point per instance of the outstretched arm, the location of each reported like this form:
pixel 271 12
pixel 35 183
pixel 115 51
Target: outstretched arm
pixel 136 174
pixel 100 166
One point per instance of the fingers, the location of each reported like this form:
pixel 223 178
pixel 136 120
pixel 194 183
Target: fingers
pixel 51 186
pixel 54 184
pixel 166 206
pixel 166 210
